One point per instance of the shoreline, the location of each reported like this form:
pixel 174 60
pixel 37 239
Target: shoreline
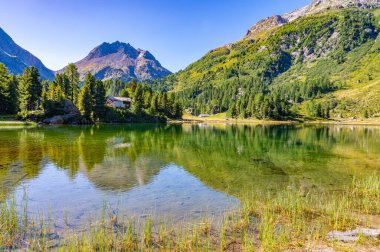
pixel 195 120
pixel 274 122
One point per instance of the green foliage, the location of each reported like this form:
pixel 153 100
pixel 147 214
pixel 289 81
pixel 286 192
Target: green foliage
pixel 100 100
pixel 8 92
pixel 85 102
pixel 147 104
pixel 30 90
pixel 138 101
pixel 322 110
pixel 71 72
pixel 62 82
pixel 279 70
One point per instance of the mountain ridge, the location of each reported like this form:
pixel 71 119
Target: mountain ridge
pixel 316 6
pixel 122 61
pixel 302 68
pixel 16 58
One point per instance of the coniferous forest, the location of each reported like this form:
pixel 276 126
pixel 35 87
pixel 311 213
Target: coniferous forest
pixel 29 97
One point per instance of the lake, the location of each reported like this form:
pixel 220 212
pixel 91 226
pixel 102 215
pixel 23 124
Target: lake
pixel 175 171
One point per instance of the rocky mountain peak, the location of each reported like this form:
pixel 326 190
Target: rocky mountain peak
pixel 120 60
pixel 266 24
pixel 111 48
pixel 314 7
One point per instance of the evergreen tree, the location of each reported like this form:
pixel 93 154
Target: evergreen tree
pixel 13 97
pixel 3 88
pixel 72 74
pixel 163 101
pixel 132 85
pixel 89 80
pixel 58 94
pixel 100 100
pixel 30 89
pixel 125 92
pixel 63 81
pixel 85 101
pixel 153 105
pixel 177 109
pixel 138 100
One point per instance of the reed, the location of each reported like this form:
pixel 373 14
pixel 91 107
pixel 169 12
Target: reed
pixel 288 220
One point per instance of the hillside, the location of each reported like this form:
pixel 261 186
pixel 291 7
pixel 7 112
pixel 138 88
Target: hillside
pixel 16 59
pixel 120 61
pixel 316 62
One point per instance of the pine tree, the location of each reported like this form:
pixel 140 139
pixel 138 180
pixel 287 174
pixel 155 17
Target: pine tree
pixel 100 100
pixel 63 81
pixel 138 100
pixel 13 97
pixel 177 109
pixel 89 80
pixel 132 85
pixel 153 105
pixel 72 74
pixel 3 88
pixel 147 98
pixel 30 90
pixel 163 102
pixel 58 94
pixel 85 102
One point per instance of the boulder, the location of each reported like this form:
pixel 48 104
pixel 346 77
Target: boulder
pixel 69 108
pixel 71 115
pixel 352 236
pixel 55 120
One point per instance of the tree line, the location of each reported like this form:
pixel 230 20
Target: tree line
pixel 30 97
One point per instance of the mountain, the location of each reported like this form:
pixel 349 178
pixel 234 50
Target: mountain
pixel 322 60
pixel 120 61
pixel 315 7
pixel 16 59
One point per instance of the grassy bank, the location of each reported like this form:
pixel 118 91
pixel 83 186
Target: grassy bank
pixel 290 220
pixel 222 118
pixel 6 121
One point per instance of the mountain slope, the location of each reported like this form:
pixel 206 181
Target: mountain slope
pixel 120 61
pixel 302 58
pixel 314 7
pixel 16 59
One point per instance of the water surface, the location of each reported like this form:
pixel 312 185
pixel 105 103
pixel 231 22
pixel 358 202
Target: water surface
pixel 178 171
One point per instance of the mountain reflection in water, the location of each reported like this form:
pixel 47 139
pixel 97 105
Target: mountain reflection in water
pixel 177 169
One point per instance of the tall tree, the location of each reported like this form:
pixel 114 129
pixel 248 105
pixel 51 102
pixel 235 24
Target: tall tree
pixel 30 89
pixel 64 82
pixel 13 97
pixel 154 105
pixel 132 85
pixel 138 100
pixel 85 102
pixel 72 74
pixel 3 88
pixel 89 80
pixel 100 100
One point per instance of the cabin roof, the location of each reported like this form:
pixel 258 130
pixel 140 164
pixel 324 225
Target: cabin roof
pixel 121 99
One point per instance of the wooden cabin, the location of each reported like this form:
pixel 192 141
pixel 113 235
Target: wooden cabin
pixel 119 102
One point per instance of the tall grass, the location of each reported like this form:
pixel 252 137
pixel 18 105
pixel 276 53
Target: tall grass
pixel 263 222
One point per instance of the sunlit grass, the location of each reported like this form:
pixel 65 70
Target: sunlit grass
pixel 263 222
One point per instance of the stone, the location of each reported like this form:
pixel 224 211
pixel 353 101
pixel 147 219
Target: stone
pixel 55 120
pixel 353 235
pixel 69 108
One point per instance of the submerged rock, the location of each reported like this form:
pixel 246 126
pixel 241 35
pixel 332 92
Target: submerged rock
pixel 352 236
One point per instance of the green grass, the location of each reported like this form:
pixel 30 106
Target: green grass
pixel 9 120
pixel 264 222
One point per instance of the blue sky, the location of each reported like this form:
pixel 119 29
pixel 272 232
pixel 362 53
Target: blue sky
pixel 177 32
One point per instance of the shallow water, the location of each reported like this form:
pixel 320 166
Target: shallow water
pixel 176 171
